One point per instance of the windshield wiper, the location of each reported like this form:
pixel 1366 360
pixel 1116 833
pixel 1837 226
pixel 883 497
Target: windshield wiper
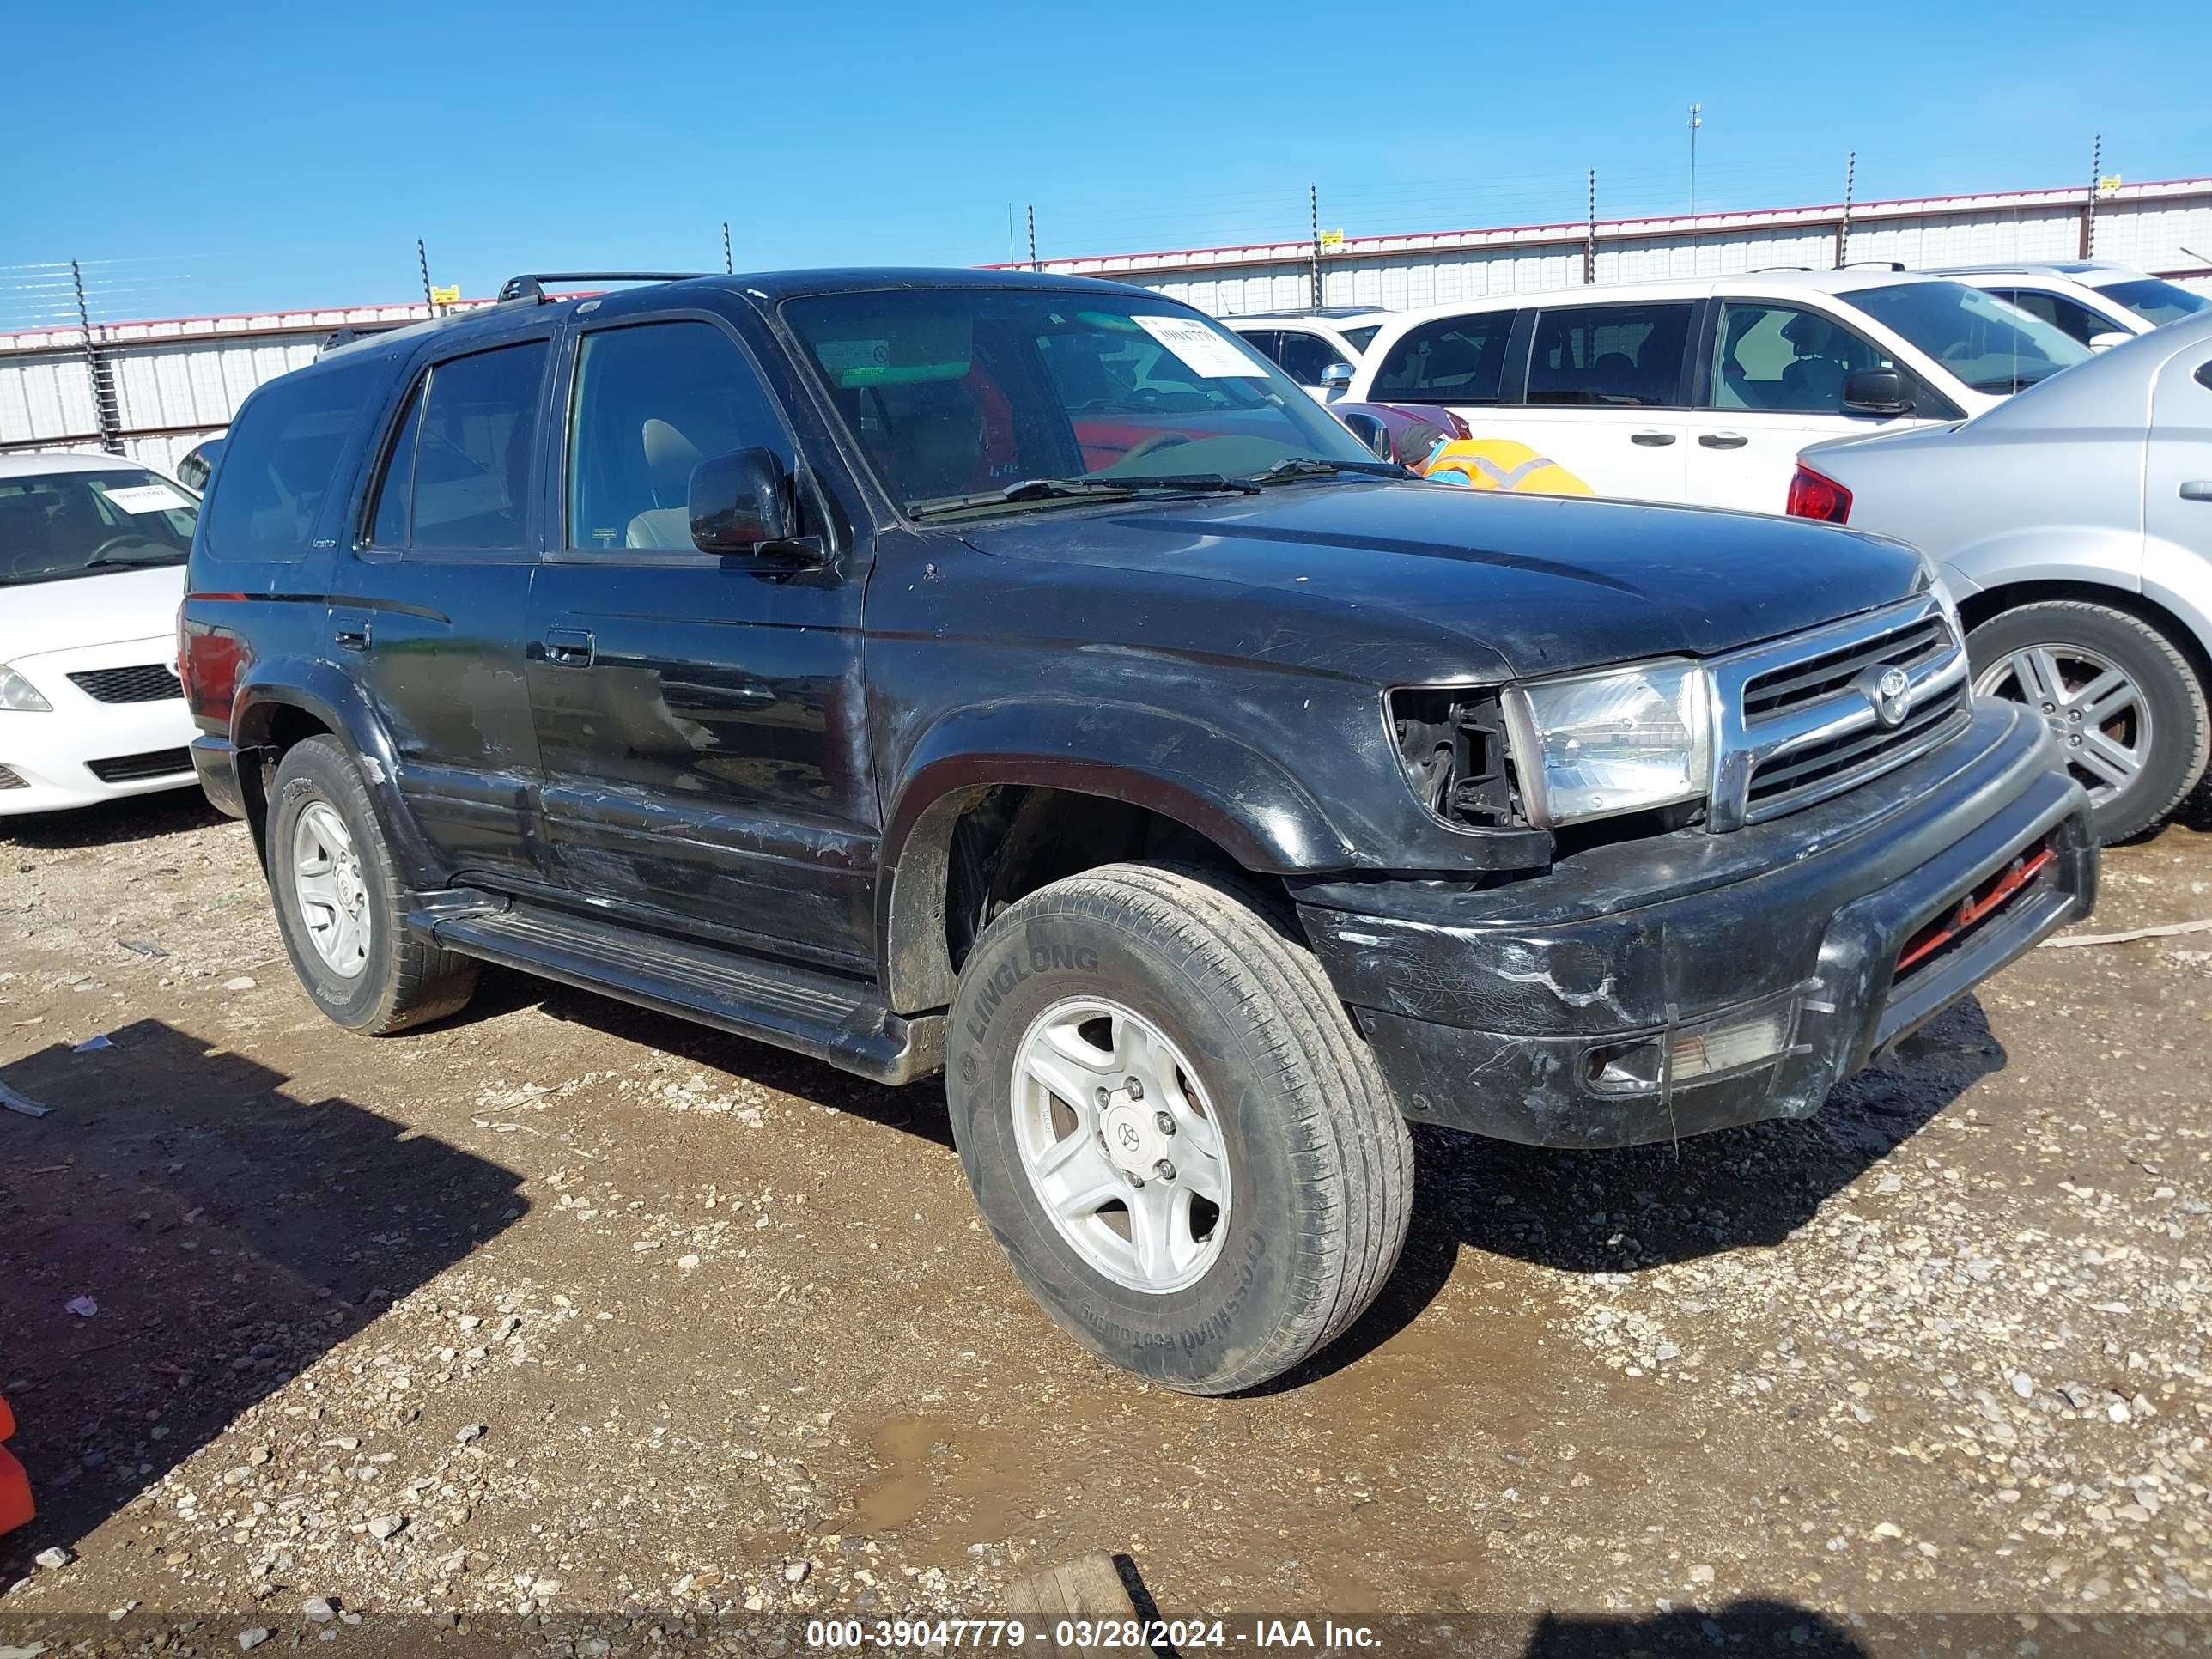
pixel 1312 467
pixel 1105 490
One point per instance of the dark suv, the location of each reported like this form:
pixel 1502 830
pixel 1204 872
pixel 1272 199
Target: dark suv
pixel 1019 676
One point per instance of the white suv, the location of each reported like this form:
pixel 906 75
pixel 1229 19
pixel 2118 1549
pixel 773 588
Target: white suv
pixel 1303 345
pixel 2090 299
pixel 1705 389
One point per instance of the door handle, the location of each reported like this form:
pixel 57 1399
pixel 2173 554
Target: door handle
pixel 1723 440
pixel 350 631
pixel 1651 439
pixel 569 647
pixel 2197 489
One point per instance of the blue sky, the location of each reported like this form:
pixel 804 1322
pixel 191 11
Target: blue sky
pixel 220 157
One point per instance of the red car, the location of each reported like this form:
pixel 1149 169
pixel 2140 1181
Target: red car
pixel 16 1505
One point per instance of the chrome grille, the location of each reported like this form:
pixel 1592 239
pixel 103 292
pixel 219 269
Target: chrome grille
pixel 153 682
pixel 1794 725
pixel 1781 690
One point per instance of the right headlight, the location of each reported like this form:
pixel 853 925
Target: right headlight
pixel 1618 740
pixel 19 694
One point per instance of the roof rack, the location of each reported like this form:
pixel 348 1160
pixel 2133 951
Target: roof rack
pixel 531 287
pixel 1873 265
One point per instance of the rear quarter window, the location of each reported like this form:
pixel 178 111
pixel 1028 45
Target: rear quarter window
pixel 289 447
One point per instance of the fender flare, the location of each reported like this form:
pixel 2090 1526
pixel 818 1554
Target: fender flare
pixel 1237 798
pixel 320 689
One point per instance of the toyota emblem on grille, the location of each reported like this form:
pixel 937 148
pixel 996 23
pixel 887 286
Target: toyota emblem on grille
pixel 1889 691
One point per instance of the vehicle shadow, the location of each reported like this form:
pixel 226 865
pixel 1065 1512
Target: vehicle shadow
pixel 224 1235
pixel 1582 1211
pixel 919 1111
pixel 1748 1627
pixel 138 818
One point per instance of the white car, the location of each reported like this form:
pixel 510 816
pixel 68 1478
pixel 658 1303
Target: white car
pixel 91 571
pixel 2091 299
pixel 1704 389
pixel 1306 344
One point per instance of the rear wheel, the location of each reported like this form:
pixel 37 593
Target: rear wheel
pixel 1172 1129
pixel 2127 709
pixel 340 906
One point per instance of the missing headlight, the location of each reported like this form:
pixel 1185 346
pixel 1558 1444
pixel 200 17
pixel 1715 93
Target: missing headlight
pixel 1452 745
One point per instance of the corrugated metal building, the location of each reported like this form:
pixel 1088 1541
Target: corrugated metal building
pixel 2165 228
pixel 154 389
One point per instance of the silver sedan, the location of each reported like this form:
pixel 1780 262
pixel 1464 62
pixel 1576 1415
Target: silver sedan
pixel 2074 525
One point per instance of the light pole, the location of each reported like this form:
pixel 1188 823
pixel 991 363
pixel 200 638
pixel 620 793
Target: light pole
pixel 1697 120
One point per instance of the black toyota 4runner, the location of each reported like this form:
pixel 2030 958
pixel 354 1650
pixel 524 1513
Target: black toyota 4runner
pixel 1020 676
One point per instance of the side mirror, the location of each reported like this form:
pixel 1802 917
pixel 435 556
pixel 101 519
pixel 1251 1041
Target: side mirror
pixel 1371 431
pixel 2107 342
pixel 1336 378
pixel 739 501
pixel 1877 392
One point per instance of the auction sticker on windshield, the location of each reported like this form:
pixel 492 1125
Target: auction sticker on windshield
pixel 1201 349
pixel 145 498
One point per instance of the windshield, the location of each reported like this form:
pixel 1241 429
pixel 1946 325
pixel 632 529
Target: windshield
pixel 1990 345
pixel 2157 300
pixel 960 392
pixel 54 524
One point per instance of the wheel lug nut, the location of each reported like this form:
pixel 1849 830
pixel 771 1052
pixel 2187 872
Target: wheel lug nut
pixel 2051 708
pixel 1102 1096
pixel 2074 742
pixel 1135 1086
pixel 1164 1169
pixel 1164 1122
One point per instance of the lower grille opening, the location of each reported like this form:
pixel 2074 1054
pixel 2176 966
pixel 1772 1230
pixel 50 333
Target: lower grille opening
pixel 10 779
pixel 133 768
pixel 1989 899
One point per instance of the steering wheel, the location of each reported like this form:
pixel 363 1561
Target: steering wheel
pixel 111 544
pixel 1157 442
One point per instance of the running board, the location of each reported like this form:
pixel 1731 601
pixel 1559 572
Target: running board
pixel 833 1019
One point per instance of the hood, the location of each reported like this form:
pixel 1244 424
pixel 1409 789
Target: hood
pixel 1549 584
pixel 104 607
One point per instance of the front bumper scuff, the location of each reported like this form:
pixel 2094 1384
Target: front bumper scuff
pixel 1484 1006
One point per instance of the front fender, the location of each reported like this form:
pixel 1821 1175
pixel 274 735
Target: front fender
pixel 1238 799
pixel 277 689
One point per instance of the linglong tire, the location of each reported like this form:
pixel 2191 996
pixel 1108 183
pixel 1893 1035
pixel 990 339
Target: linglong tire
pixel 1253 1056
pixel 328 862
pixel 2143 762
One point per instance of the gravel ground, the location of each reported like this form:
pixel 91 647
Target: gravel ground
pixel 562 1307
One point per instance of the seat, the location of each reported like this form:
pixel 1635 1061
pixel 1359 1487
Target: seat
pixel 1813 379
pixel 27 540
pixel 670 457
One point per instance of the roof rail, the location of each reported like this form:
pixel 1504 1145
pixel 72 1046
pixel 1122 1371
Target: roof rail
pixel 1874 265
pixel 533 286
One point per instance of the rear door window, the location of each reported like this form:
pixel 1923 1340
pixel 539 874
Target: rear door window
pixel 1623 356
pixel 1454 360
pixel 472 461
pixel 285 454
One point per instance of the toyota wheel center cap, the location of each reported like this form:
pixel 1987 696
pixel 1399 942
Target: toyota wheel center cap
pixel 1133 1142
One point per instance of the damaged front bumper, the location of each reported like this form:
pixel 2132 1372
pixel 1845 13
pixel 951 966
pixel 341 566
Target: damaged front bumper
pixel 1661 988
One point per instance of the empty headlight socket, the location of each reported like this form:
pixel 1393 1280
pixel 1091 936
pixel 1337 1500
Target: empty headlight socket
pixel 1451 742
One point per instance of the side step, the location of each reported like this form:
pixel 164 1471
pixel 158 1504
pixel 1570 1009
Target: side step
pixel 833 1019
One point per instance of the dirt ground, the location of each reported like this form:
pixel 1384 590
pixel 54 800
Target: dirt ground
pixel 561 1307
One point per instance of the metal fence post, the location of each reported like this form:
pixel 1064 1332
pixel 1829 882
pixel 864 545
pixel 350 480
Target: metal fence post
pixel 97 372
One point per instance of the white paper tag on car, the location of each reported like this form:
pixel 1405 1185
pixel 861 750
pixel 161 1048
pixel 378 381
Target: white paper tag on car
pixel 1203 349
pixel 145 498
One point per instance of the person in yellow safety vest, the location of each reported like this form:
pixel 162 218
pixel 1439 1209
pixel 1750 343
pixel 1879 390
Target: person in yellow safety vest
pixel 1500 463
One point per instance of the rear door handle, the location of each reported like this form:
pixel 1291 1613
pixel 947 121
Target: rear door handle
pixel 2197 489
pixel 569 647
pixel 350 631
pixel 1723 440
pixel 1651 439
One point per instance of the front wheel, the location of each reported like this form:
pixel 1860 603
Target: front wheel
pixel 2126 707
pixel 1172 1129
